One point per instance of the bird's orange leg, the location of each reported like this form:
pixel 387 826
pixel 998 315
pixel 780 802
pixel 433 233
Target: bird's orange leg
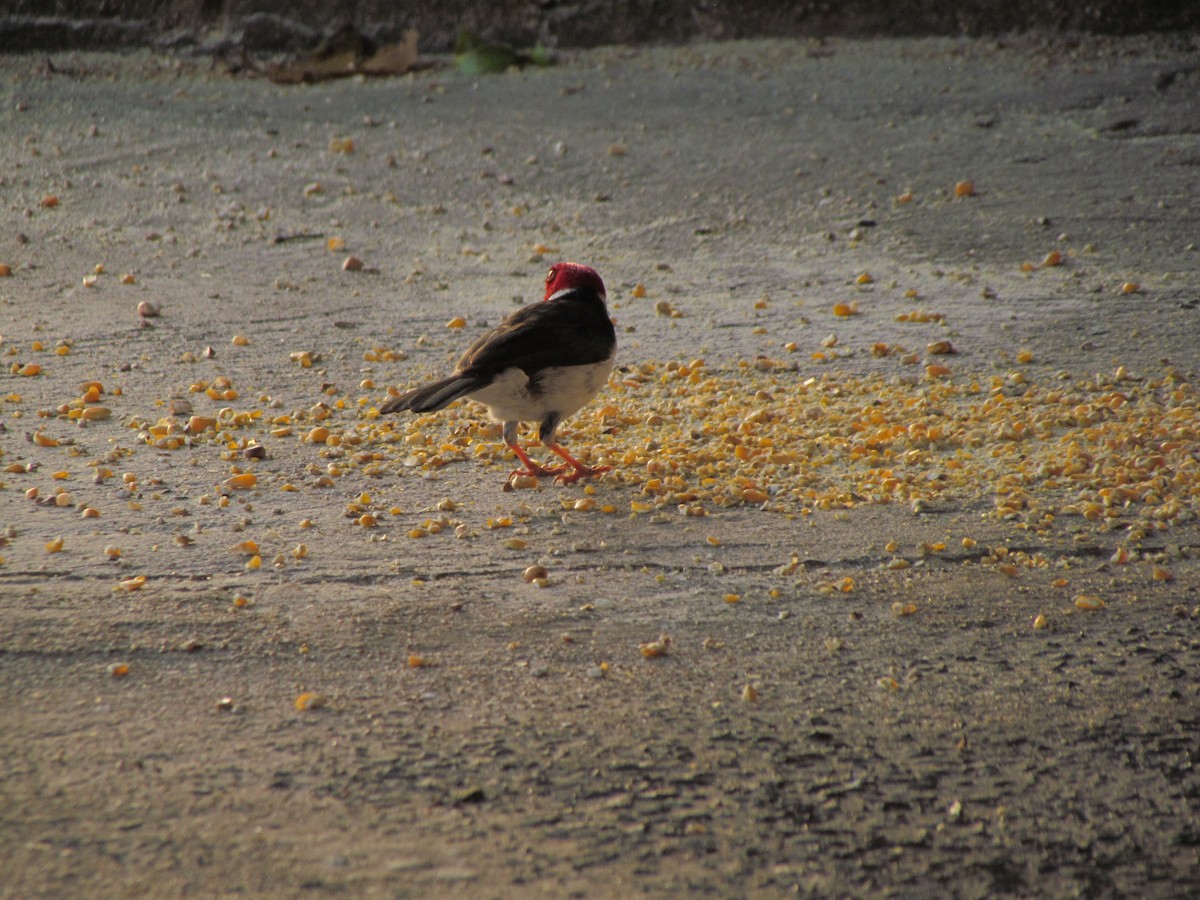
pixel 532 468
pixel 581 471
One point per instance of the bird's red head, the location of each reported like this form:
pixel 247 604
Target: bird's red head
pixel 568 276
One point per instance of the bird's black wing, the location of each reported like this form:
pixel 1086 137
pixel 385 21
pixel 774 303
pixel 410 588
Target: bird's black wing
pixel 570 330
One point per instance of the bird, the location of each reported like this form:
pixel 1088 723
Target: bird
pixel 542 364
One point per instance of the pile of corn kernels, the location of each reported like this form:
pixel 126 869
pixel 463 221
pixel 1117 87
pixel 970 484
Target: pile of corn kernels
pixel 1116 451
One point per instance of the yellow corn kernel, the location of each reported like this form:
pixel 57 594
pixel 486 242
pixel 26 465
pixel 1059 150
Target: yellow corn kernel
pixel 242 482
pixel 656 648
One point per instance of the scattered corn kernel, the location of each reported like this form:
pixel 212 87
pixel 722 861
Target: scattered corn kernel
pixel 534 573
pixel 242 482
pixel 656 648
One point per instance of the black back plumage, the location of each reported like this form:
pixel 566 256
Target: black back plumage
pixel 570 329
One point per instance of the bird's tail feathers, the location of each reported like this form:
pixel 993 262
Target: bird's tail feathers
pixel 434 396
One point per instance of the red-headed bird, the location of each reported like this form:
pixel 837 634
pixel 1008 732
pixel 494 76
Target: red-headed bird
pixel 542 364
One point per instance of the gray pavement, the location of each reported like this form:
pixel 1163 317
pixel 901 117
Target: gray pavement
pixel 907 654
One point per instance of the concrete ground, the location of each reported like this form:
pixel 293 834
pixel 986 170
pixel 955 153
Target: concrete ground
pixel 892 590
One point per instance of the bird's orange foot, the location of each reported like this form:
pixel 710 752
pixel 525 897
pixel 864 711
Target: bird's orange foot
pixel 580 471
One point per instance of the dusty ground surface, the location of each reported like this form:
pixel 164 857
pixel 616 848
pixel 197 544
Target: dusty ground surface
pixel 931 629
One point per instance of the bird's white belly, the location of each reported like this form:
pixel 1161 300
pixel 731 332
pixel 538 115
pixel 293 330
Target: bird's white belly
pixel 562 389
